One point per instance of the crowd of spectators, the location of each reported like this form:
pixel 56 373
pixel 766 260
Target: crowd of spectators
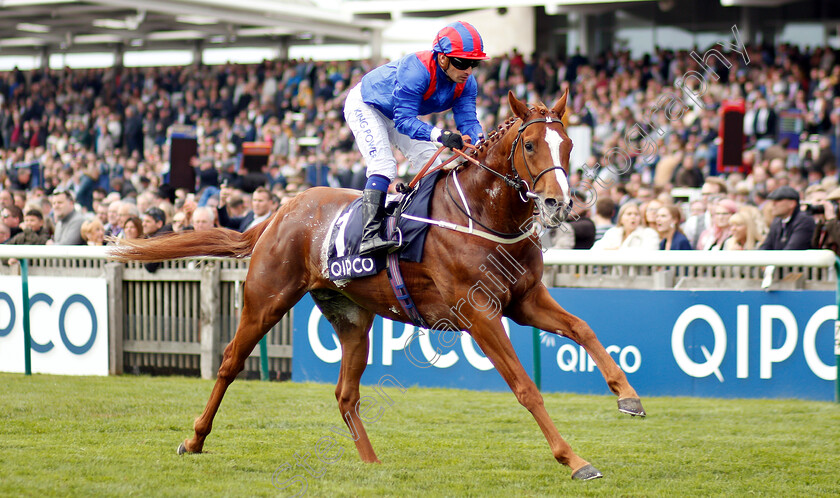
pixel 84 154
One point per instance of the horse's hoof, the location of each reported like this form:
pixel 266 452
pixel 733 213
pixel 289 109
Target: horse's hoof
pixel 631 406
pixel 586 473
pixel 183 449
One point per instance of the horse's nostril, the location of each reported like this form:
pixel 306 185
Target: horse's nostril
pixel 551 202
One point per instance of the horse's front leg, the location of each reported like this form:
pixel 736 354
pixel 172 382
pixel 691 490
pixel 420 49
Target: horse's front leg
pixel 491 338
pixel 538 309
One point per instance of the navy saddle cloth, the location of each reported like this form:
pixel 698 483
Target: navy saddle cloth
pixel 343 260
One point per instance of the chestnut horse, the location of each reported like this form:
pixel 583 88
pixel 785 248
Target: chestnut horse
pixel 519 169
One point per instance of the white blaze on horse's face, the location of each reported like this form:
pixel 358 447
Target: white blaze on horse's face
pixel 553 139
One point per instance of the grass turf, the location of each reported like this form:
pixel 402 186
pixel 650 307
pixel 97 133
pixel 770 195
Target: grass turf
pixel 93 436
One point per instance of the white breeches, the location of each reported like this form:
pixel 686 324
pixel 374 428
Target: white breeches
pixel 375 134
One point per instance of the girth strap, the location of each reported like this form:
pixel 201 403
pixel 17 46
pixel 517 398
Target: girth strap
pixel 392 269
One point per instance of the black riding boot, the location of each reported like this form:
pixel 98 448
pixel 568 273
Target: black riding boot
pixel 373 210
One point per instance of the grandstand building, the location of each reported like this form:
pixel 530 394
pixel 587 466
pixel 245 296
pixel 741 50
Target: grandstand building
pixel 56 33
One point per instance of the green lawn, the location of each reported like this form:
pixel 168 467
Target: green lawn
pixel 88 436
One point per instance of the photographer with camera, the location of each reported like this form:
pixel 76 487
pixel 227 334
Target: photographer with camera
pixel 827 231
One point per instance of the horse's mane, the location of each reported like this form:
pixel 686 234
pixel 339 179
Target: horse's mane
pixel 494 136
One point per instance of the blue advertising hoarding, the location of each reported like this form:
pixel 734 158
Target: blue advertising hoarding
pixel 728 344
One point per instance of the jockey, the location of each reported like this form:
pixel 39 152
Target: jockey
pixel 382 110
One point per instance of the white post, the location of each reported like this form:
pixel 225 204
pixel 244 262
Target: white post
pixel 376 46
pixel 209 320
pixel 116 313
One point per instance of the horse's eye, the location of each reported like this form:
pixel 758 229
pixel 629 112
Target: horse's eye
pixel 529 147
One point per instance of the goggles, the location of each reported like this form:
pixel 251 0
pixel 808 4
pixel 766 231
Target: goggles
pixel 464 64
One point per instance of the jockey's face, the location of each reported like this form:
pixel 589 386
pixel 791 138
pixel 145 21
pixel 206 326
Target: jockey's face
pixel 453 73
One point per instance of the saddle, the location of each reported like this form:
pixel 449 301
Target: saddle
pixel 343 259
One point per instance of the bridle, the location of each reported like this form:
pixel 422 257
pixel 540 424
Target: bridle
pixel 529 189
pixel 513 179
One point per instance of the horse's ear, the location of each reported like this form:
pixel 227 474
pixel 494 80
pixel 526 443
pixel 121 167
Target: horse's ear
pixel 519 109
pixel 560 107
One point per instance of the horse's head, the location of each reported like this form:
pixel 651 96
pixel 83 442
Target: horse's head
pixel 540 156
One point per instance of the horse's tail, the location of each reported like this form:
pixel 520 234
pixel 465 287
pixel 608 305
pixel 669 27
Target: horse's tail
pixel 220 242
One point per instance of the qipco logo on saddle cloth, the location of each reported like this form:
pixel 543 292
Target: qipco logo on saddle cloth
pixel 352 266
pixel 344 261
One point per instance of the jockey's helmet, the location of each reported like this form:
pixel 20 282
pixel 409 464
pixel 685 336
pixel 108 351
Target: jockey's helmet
pixel 461 40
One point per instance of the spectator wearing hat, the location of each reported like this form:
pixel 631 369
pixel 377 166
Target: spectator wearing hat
pixel 68 221
pixel 791 228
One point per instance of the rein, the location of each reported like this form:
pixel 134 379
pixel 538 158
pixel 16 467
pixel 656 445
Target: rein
pixel 472 219
pixel 425 171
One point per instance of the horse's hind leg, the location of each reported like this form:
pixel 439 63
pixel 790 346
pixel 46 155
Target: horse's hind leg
pixel 540 310
pixel 261 309
pixel 352 323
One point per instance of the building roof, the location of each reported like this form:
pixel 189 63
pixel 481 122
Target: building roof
pixel 33 26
